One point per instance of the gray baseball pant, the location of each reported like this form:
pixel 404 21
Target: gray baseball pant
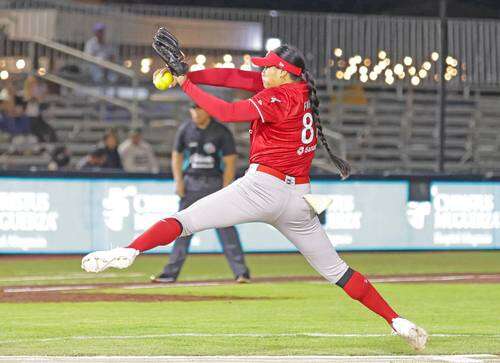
pixel 260 197
pixel 228 237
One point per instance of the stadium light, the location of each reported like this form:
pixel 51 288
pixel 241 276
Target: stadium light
pixel 407 61
pixel 398 69
pixel 447 76
pixel 337 52
pixel 426 65
pixel 272 43
pixel 127 63
pixel 367 62
pixel 363 78
pixel 358 59
pixel 449 60
pixel 435 56
pixel 347 76
pixel 200 59
pixel 146 62
pixel 382 54
pixel 388 73
pixel 415 80
pixel 401 75
pixel 247 63
pixel 389 80
pixel 363 70
pixel 373 76
pixel 4 75
pixel 20 63
pixel 339 74
pixel 412 70
pixel 228 61
pixel 422 73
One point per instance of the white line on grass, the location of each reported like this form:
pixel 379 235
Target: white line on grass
pixel 429 278
pixel 50 288
pixel 74 276
pixel 463 358
pixel 232 335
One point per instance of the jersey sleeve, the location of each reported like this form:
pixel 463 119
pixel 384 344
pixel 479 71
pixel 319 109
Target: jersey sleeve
pixel 228 77
pixel 228 146
pixel 179 144
pixel 271 104
pixel 241 111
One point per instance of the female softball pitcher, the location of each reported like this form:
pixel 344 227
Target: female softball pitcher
pixel 283 137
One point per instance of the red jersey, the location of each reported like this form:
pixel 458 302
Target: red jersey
pixel 284 137
pixel 282 134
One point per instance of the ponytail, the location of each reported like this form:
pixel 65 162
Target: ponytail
pixel 343 166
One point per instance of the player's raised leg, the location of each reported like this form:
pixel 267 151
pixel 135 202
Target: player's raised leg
pixel 227 207
pixel 302 227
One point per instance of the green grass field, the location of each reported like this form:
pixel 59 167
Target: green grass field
pixel 285 318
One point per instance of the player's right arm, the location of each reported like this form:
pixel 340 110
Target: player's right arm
pixel 227 77
pixel 268 105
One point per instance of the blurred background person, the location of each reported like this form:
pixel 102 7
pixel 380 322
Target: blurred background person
pixel 210 165
pixel 137 155
pixel 94 161
pixel 60 158
pixel 34 93
pixel 98 47
pixel 15 122
pixel 110 146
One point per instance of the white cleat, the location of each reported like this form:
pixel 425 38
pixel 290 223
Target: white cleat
pixel 414 335
pixel 117 257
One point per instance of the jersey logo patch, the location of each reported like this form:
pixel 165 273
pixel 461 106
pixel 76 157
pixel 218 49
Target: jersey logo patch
pixel 274 99
pixel 209 148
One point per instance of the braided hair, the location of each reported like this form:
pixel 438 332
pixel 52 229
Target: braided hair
pixel 294 56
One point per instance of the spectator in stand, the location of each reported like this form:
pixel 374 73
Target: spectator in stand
pixel 94 161
pixel 34 93
pixel 61 158
pixel 99 48
pixel 110 146
pixel 15 122
pixel 137 155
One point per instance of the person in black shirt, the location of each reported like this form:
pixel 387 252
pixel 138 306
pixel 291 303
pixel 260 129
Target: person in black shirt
pixel 110 146
pixel 203 161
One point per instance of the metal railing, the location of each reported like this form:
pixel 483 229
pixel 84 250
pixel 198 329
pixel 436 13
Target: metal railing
pixel 132 107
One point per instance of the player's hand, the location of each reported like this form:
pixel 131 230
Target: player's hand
pixel 180 189
pixel 179 80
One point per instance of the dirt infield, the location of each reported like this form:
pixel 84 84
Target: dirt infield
pixel 55 296
pixel 75 293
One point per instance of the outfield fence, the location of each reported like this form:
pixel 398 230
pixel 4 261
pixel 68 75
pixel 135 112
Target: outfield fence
pixel 83 213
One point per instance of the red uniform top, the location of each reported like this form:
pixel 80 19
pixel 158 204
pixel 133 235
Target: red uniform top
pixel 282 133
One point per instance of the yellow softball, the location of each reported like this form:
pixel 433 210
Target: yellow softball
pixel 162 80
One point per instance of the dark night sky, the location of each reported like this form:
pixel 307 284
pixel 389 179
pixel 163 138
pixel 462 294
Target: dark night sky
pixel 456 8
